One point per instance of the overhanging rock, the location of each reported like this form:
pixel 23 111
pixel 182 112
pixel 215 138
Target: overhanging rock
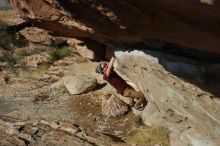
pixel 189 23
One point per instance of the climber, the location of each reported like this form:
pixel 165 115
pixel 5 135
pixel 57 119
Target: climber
pixel 120 85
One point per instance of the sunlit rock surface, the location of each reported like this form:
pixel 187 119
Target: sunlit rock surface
pixel 189 23
pixel 42 132
pixel 192 115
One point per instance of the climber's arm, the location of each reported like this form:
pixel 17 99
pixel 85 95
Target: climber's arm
pixel 110 66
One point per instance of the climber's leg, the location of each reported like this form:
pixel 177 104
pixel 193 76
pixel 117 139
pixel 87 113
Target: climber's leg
pixel 139 100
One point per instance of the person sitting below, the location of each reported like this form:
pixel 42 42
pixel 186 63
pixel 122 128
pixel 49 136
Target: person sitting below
pixel 120 84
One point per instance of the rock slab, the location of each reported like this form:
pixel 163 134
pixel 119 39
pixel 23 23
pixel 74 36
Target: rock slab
pixel 78 84
pixel 191 114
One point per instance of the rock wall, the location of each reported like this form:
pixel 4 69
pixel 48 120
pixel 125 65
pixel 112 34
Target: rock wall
pixel 192 115
pixel 190 23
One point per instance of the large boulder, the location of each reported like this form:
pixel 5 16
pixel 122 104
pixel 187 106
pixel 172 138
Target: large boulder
pixel 79 84
pixel 191 114
pixel 190 23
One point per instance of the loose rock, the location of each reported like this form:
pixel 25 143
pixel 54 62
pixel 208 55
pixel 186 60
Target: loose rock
pixel 79 84
pixel 113 106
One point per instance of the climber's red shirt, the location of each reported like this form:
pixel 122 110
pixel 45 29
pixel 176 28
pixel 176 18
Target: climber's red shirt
pixel 116 81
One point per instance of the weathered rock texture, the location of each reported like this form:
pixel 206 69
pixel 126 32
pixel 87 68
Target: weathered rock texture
pixel 192 115
pixel 35 60
pixel 190 23
pixel 113 106
pixel 79 84
pixel 42 132
pixel 88 48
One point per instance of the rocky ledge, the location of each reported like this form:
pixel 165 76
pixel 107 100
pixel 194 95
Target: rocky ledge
pixel 42 132
pixel 189 23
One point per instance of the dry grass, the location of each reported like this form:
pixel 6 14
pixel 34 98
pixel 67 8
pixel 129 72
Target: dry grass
pixel 32 73
pixel 150 136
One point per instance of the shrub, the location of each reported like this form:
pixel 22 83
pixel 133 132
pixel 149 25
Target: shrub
pixel 54 55
pixel 10 61
pixel 65 51
pixel 57 54
pixel 23 53
pixel 5 37
pixel 20 55
pixel 8 38
pixel 139 121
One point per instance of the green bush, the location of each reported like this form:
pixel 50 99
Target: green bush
pixel 20 55
pixel 139 121
pixel 57 54
pixel 10 61
pixel 24 53
pixel 65 51
pixel 7 38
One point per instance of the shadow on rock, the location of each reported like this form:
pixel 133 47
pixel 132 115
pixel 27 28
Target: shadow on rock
pixel 100 86
pixel 199 68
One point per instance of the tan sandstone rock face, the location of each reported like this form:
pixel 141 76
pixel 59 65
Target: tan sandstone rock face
pixel 192 115
pixel 88 48
pixel 190 23
pixel 42 132
pixel 79 84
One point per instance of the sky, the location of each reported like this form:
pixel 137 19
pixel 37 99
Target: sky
pixel 4 4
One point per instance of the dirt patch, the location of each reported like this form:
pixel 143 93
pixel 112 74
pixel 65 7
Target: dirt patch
pixel 40 97
pixel 18 85
pixel 88 109
pixel 127 127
